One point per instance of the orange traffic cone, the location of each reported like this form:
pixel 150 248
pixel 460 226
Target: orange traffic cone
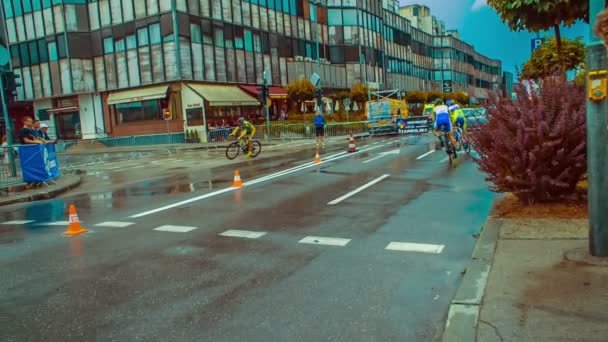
pixel 351 143
pixel 317 158
pixel 74 227
pixel 238 183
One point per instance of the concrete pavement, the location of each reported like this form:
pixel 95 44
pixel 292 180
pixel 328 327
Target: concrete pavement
pixel 345 250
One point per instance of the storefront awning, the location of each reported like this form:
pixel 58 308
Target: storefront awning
pixel 218 95
pixel 71 109
pixel 135 95
pixel 275 92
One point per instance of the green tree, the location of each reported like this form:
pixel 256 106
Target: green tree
pixel 546 61
pixel 541 15
pixel 300 90
pixel 416 96
pixel 358 92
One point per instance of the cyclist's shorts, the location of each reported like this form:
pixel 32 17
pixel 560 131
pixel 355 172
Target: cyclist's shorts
pixel 443 123
pixel 460 122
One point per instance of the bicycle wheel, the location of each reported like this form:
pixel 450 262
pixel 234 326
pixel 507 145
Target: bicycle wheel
pixel 466 143
pixel 256 148
pixel 233 150
pixel 458 133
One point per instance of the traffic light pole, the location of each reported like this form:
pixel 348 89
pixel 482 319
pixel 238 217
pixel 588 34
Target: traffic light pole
pixel 597 122
pixel 266 93
pixel 8 130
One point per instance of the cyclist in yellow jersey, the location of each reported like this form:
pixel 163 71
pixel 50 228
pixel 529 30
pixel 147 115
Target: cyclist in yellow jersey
pixel 247 131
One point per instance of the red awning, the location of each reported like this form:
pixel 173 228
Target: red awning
pixel 275 92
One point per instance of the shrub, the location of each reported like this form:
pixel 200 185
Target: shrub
pixel 300 90
pixel 358 92
pixel 416 96
pixel 535 146
pixel 432 95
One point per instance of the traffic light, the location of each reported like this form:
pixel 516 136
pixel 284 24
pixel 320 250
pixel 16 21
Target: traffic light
pixel 263 93
pixel 167 114
pixel 319 96
pixel 9 85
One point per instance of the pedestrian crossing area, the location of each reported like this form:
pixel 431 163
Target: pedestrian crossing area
pixel 329 241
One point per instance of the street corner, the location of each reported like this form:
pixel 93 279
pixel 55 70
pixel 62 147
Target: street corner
pixel 53 189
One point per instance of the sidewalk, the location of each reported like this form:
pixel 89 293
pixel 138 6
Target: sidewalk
pixel 532 280
pixel 20 194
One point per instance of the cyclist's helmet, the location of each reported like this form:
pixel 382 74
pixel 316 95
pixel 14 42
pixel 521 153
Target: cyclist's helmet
pixel 438 102
pixel 450 102
pixel 241 120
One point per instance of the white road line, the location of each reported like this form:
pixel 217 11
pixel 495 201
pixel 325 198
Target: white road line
pixel 18 222
pixel 444 160
pixel 358 190
pixel 414 247
pixel 426 154
pixel 328 241
pixel 248 234
pixel 375 158
pixel 174 229
pixel 265 178
pixel 114 224
pixel 57 223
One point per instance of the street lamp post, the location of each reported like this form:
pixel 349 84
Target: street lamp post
pixel 597 123
pixel 318 3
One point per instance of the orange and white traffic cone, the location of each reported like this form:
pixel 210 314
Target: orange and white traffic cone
pixel 237 183
pixel 317 158
pixel 74 227
pixel 351 143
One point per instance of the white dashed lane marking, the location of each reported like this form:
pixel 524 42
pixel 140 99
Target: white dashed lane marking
pixel 174 229
pixel 414 247
pixel 329 241
pixel 113 224
pixel 358 190
pixel 18 222
pixel 426 154
pixel 248 234
pixel 57 223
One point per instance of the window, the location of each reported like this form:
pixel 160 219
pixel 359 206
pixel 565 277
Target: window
pixel 138 111
pixel 350 17
pixel 228 36
pixel 334 17
pixel 155 37
pixel 53 56
pixel 142 37
pixel 43 50
pixel 248 41
pixel 257 43
pixel 131 42
pixel 8 9
pixel 195 116
pixel 37 5
pixel 238 37
pixel 119 45
pixel 195 33
pixel 62 46
pixel 15 56
pixel 207 32
pixel 25 55
pixel 43 115
pixel 108 45
pixel 34 52
pixel 219 36
pixel 27 6
pixel 46 3
pixel 17 7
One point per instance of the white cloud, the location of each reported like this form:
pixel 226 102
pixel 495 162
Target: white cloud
pixel 479 4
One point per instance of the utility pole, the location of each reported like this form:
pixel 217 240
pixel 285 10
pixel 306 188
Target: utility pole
pixel 597 124
pixel 263 95
pixel 5 90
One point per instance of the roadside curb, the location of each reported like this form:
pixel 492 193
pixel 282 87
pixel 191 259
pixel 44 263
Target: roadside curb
pixel 68 182
pixel 463 316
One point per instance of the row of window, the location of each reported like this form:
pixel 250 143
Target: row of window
pixel 39 51
pixel 149 35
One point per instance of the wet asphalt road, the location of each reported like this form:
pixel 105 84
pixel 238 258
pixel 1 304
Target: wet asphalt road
pixel 136 283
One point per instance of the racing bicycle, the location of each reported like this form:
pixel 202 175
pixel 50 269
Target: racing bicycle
pixel 233 150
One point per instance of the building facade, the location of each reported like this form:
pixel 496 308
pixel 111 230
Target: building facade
pixel 111 67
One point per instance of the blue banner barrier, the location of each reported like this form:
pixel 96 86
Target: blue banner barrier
pixel 38 163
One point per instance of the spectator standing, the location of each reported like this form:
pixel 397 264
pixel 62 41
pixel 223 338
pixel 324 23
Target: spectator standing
pixel 36 128
pixel 44 128
pixel 27 135
pixel 319 122
pixel 5 158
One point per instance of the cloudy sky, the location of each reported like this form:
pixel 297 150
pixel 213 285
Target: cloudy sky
pixel 481 27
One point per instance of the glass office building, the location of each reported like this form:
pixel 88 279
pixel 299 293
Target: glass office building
pixel 109 67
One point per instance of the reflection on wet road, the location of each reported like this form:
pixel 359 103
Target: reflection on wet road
pixel 360 247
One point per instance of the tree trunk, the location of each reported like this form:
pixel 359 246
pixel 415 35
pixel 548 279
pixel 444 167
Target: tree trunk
pixel 558 44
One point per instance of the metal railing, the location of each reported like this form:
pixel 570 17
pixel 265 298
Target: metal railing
pixel 142 140
pixel 7 177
